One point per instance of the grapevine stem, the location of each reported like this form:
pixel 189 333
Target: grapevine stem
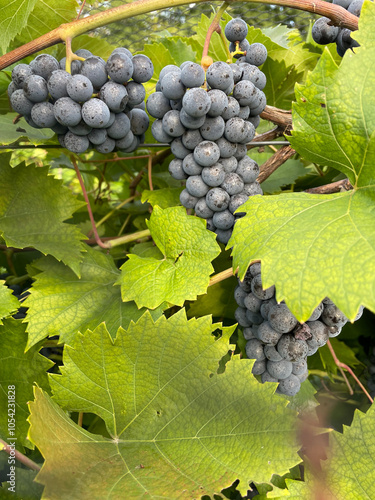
pixel 20 456
pixel 80 418
pixel 225 43
pixel 81 9
pixel 128 238
pixel 337 14
pixel 213 27
pixel 84 192
pixel 149 170
pixel 228 273
pixel 348 369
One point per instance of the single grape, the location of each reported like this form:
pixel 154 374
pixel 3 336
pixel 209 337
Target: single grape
pixel 97 135
pixel 319 334
pixel 196 186
pixel 122 50
pixel 172 124
pixel 317 312
pixel 280 369
pixel 227 149
pixel 213 128
pixel 206 153
pixel 139 121
pixel 67 112
pixel 81 129
pixel 219 101
pixel 190 166
pixel 20 103
pixel 332 316
pixel 235 129
pixel 281 319
pixel 35 88
pixel 239 296
pixel 237 72
pixel 191 138
pixel 299 367
pixel 267 334
pixel 120 127
pixel 266 377
pixel 76 143
pixel 136 93
pixel 190 122
pixel 202 209
pixel 43 65
pixel 355 7
pixel 241 151
pixel 126 142
pixel 217 199
pixel 247 169
pixel 158 132
pixel 95 71
pixel 172 87
pixel 244 112
pixel 119 67
pixel 42 115
pixel 323 32
pixel 271 353
pixel 248 333
pixel 289 386
pixel 79 88
pixel 187 200
pixel 245 92
pixel 143 69
pixel 170 68
pixel 229 164
pixel 213 176
pixel 95 113
pixel 252 188
pixel 178 149
pixel 115 96
pixel 107 146
pixel 256 54
pixel 196 102
pixel 20 73
pixel 192 75
pixel 236 30
pixel 252 302
pixel 219 75
pixel 232 110
pixel 259 367
pixel 233 184
pixel 176 171
pixel 236 201
pixel 158 105
pixel 292 349
pixel 223 220
pixel 254 349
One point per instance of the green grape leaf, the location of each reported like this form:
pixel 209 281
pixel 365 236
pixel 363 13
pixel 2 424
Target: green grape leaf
pixel 349 470
pixel 147 249
pixel 337 104
pixel 157 389
pixel 188 249
pixel 45 16
pixel 218 301
pixel 327 240
pixel 21 370
pixel 179 50
pixel 8 302
pixel 33 206
pixel 160 58
pixel 13 18
pixel 165 197
pixel 25 488
pixel 10 132
pixel 60 303
pixel 281 80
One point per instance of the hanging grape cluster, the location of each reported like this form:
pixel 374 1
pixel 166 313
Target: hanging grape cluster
pixel 99 104
pixel 324 32
pixel 280 344
pixel 208 119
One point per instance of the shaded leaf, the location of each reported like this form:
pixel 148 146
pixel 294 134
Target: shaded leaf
pixel 33 206
pixel 10 132
pixel 165 197
pixel 13 17
pixel 21 370
pixel 60 303
pixel 8 302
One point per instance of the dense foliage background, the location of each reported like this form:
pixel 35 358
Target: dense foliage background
pixel 131 376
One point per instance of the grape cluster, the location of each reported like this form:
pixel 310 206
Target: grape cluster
pixel 275 339
pixel 99 104
pixel 208 119
pixel 324 32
